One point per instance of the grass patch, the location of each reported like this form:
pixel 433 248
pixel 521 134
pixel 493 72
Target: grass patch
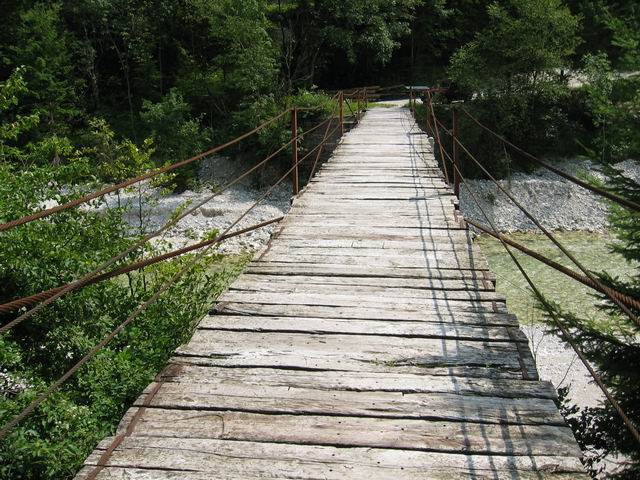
pixel 592 249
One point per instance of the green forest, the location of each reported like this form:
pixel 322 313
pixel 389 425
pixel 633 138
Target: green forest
pixel 93 92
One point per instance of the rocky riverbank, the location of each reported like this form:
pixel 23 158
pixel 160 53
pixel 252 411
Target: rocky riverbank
pixel 557 203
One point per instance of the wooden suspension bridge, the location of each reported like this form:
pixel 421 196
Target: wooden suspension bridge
pixel 366 341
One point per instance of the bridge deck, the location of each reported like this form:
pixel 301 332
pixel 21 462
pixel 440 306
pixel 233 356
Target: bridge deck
pixel 366 342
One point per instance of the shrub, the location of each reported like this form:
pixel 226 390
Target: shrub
pixel 176 134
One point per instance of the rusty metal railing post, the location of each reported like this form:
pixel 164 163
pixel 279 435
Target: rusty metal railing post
pixel 294 150
pixel 341 100
pixel 413 102
pixel 430 123
pixel 456 152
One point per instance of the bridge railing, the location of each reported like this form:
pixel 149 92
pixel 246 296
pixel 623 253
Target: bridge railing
pixel 22 309
pixel 626 303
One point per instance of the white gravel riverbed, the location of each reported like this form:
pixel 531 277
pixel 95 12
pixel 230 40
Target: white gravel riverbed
pixel 218 213
pixel 557 203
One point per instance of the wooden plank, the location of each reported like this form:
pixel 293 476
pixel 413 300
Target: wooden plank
pixel 416 262
pixel 435 221
pixel 286 241
pixel 440 436
pixel 144 458
pixel 286 285
pixel 389 313
pixel 427 212
pixel 379 173
pixel 353 352
pixel 378 205
pixel 353 300
pixel 467 371
pixel 430 238
pixel 423 205
pixel 464 256
pixel 422 185
pixel 389 283
pixel 284 268
pixel 413 189
pixel 334 472
pixel 468 254
pixel 184 371
pixel 391 233
pixel 361 327
pixel 440 212
pixel 385 195
pixel 309 401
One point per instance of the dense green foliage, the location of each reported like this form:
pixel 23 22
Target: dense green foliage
pixel 514 67
pixel 191 73
pixel 52 443
pixel 529 75
pixel 211 67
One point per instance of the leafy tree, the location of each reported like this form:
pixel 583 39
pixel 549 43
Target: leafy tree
pixel 37 149
pixel 352 33
pixel 611 27
pixel 514 67
pixel 45 48
pixel 175 133
pixel 610 103
pixel 521 49
pixel 13 125
pixel 443 26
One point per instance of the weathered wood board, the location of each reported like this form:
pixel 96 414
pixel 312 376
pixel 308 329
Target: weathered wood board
pixel 366 341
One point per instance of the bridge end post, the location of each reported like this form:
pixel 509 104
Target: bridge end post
pixel 455 149
pixel 294 150
pixel 430 123
pixel 341 100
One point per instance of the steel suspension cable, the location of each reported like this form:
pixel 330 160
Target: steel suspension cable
pixel 546 232
pixel 629 301
pixel 158 171
pixel 87 277
pixel 324 139
pixel 600 191
pixel 39 297
pixel 552 313
pixel 432 113
pixel 165 286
